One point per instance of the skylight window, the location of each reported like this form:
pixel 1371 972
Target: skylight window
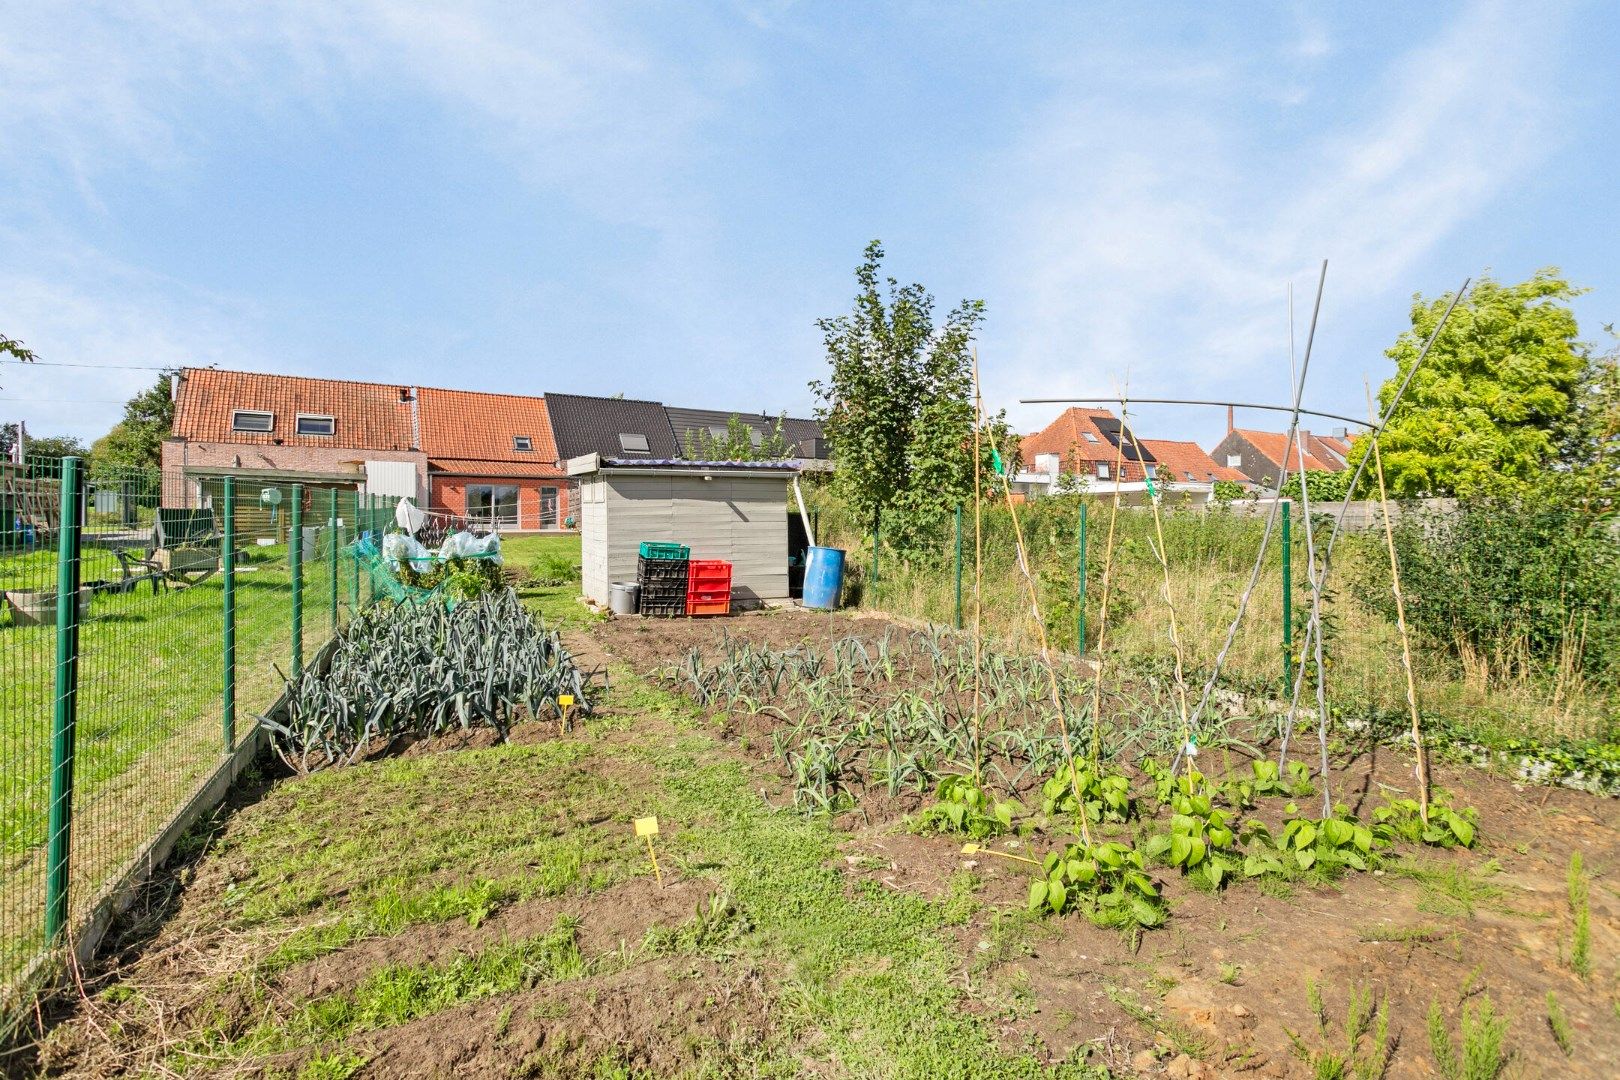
pixel 1089 436
pixel 311 424
pixel 252 420
pixel 719 431
pixel 1191 477
pixel 632 443
pixel 524 443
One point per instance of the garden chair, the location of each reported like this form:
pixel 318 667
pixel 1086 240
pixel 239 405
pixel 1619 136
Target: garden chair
pixel 135 570
pixel 186 544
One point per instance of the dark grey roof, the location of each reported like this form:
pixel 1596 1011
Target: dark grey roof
pixel 592 425
pixel 803 435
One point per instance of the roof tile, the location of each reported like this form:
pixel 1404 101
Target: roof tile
pixel 371 416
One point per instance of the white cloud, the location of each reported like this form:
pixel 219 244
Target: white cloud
pixel 1155 232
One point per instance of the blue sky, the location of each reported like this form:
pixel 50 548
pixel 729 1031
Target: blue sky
pixel 660 199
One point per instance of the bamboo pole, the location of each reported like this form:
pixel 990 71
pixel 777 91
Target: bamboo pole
pixel 1400 623
pixel 1040 630
pixel 978 570
pixel 1164 563
pixel 1102 613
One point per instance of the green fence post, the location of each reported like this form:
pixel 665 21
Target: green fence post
pixel 228 572
pixel 1080 613
pixel 332 555
pixel 65 718
pixel 959 566
pixel 296 565
pixel 1287 603
pixel 877 530
pixel 354 563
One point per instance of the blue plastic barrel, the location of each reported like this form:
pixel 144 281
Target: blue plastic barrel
pixel 823 577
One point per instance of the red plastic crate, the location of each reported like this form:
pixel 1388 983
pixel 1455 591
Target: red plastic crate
pixel 708 570
pixel 707 596
pixel 709 607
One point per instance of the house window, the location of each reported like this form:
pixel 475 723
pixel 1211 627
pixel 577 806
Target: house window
pixel 1103 471
pixel 252 420
pixel 1152 471
pixel 548 508
pixel 1089 436
pixel 1192 478
pixel 633 444
pixel 719 431
pixel 492 504
pixel 311 424
pixel 1233 461
pixel 523 443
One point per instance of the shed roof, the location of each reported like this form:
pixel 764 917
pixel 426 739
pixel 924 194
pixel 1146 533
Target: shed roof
pixel 592 425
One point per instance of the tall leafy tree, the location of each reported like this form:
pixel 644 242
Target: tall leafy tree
pixel 1589 444
pixel 1484 412
pixel 897 407
pixel 136 441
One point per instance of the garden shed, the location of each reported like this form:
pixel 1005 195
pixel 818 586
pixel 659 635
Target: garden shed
pixel 731 510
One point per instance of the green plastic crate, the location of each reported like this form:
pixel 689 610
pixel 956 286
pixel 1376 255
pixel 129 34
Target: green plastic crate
pixel 650 550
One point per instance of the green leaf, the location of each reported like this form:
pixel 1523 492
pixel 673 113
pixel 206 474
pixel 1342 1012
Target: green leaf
pixel 1056 894
pixel 1037 894
pixel 1305 857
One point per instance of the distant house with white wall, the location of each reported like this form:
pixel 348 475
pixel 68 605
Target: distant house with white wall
pixel 1091 450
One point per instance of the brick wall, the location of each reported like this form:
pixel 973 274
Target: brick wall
pixel 180 456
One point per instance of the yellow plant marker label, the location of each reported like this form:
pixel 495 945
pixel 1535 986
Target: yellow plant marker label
pixel 565 700
pixel 970 849
pixel 646 826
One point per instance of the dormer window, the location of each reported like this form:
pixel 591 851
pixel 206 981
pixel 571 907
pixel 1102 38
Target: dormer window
pixel 253 420
pixel 311 424
pixel 523 443
pixel 632 443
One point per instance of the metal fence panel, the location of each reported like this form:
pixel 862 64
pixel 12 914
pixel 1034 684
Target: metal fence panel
pixel 135 679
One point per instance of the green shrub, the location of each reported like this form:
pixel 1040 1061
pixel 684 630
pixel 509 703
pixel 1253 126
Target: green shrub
pixel 1498 575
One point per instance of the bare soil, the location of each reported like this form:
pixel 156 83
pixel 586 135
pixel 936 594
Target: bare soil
pixel 1215 992
pixel 1227 975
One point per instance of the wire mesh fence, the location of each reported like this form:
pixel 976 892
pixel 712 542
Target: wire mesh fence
pixel 138 642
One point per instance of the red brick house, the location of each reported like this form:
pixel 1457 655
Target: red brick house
pixel 1259 454
pixel 278 430
pixel 1086 443
pixel 1183 464
pixel 488 457
pixel 492 458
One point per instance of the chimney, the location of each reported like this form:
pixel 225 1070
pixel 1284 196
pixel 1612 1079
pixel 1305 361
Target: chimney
pixel 1304 447
pixel 1229 419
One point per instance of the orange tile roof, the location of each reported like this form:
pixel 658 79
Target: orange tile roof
pixel 1271 445
pixel 371 416
pixel 1177 459
pixel 1080 444
pixel 466 426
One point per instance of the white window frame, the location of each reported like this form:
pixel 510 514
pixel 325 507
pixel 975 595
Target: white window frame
pixel 1089 437
pixel 523 444
pixel 298 425
pixel 237 414
pixel 1234 461
pixel 1104 471
pixel 646 444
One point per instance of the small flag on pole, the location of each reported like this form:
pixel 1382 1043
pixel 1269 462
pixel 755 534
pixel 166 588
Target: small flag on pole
pixel 995 459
